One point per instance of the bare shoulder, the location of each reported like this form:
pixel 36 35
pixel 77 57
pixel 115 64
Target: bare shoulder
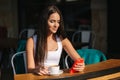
pixel 29 45
pixel 66 41
pixel 30 41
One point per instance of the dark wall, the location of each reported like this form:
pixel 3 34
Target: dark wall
pixel 74 13
pixel 113 27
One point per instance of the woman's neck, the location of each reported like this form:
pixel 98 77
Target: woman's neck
pixel 51 37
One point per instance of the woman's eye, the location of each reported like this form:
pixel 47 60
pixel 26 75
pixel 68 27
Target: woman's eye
pixel 51 21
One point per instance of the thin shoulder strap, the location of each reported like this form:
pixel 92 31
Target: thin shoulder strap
pixel 35 41
pixel 58 39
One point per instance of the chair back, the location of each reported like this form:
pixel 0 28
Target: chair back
pixel 84 37
pixel 26 33
pixel 18 62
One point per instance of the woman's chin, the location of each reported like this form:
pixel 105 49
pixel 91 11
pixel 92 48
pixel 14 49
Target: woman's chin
pixel 54 31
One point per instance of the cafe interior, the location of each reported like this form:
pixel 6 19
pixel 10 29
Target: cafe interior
pixel 94 21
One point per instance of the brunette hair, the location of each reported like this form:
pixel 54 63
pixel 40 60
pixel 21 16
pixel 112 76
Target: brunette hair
pixel 42 32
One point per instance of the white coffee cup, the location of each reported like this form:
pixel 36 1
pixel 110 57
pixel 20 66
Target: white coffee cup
pixel 54 69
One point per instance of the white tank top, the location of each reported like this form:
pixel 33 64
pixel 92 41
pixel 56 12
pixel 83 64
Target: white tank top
pixel 53 57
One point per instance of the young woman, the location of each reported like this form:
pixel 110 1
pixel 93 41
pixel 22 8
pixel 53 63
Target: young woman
pixel 45 47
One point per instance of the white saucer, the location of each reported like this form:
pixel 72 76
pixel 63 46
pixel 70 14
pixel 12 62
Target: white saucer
pixel 60 72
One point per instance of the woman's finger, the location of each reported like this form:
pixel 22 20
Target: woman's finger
pixel 79 67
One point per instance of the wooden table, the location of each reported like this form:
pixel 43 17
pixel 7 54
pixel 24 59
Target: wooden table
pixel 114 76
pixel 95 70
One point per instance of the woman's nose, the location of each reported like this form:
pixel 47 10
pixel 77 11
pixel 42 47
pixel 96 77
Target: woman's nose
pixel 56 24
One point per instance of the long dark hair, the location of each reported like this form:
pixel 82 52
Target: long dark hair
pixel 42 33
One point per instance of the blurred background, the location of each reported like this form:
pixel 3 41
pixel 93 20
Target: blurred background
pixel 100 16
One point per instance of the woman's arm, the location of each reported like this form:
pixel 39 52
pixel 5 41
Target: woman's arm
pixel 31 62
pixel 30 55
pixel 70 49
pixel 73 54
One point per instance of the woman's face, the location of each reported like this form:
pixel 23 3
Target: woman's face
pixel 54 22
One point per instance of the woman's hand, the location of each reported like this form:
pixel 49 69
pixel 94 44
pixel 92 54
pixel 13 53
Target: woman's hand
pixel 41 71
pixel 79 66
